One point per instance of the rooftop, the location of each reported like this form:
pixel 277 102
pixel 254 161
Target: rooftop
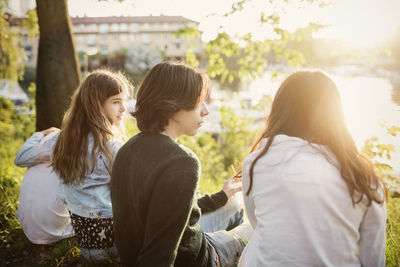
pixel 129 19
pixel 121 19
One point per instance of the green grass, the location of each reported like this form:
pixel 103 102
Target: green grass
pixel 393 233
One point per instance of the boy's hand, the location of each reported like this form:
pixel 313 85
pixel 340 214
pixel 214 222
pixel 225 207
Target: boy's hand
pixel 231 186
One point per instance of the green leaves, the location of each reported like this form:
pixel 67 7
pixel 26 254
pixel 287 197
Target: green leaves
pixel 271 19
pixel 189 32
pixel 230 60
pixel 238 6
pixel 12 55
pixel 380 154
pixel 31 23
pixel 393 130
pixel 191 57
pixel 213 172
pixel 232 57
pixel 374 149
pixel 220 151
pixel 235 137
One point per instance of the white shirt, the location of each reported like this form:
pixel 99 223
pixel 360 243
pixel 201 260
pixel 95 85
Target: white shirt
pixel 302 213
pixel 42 218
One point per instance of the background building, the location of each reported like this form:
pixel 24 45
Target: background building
pixel 104 35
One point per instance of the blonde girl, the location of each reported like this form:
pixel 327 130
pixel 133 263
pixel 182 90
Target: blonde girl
pixel 312 198
pixel 82 155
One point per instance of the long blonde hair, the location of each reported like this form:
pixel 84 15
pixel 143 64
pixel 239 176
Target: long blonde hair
pixel 307 105
pixel 84 117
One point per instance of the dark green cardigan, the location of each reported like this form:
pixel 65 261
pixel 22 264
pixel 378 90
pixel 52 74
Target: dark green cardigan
pixel 156 212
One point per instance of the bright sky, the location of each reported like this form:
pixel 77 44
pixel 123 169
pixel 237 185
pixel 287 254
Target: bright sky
pixel 360 22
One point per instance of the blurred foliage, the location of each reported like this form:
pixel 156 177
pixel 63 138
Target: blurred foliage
pixel 11 54
pixel 134 61
pixel 379 154
pixel 235 138
pixel 130 127
pixel 115 60
pixel 229 60
pixel 222 153
pixel 213 172
pixel 191 58
pixel 393 130
pixel 28 79
pixel 141 58
pixel 15 127
pixel 191 32
pixel 233 58
pixel 30 23
pixel 378 151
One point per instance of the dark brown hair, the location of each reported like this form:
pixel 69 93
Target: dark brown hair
pixel 307 105
pixel 167 88
pixel 84 116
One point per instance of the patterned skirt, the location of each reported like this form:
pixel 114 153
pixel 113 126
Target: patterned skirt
pixel 93 233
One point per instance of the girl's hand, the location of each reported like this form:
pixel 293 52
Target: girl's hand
pixel 50 130
pixel 231 186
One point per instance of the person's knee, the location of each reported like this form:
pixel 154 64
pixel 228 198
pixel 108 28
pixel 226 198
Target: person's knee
pixel 98 255
pixel 236 220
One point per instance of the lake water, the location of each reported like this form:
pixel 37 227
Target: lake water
pixel 371 99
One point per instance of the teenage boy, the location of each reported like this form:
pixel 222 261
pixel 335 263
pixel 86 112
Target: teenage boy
pixel 155 179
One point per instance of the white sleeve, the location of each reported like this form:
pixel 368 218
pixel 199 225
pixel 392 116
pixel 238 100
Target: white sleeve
pixel 373 236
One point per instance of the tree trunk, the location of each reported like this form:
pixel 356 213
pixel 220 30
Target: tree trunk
pixel 58 72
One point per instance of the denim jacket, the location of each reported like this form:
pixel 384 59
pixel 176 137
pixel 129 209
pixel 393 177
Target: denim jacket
pixel 89 198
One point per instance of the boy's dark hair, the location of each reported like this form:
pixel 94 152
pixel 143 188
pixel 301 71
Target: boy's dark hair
pixel 167 88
